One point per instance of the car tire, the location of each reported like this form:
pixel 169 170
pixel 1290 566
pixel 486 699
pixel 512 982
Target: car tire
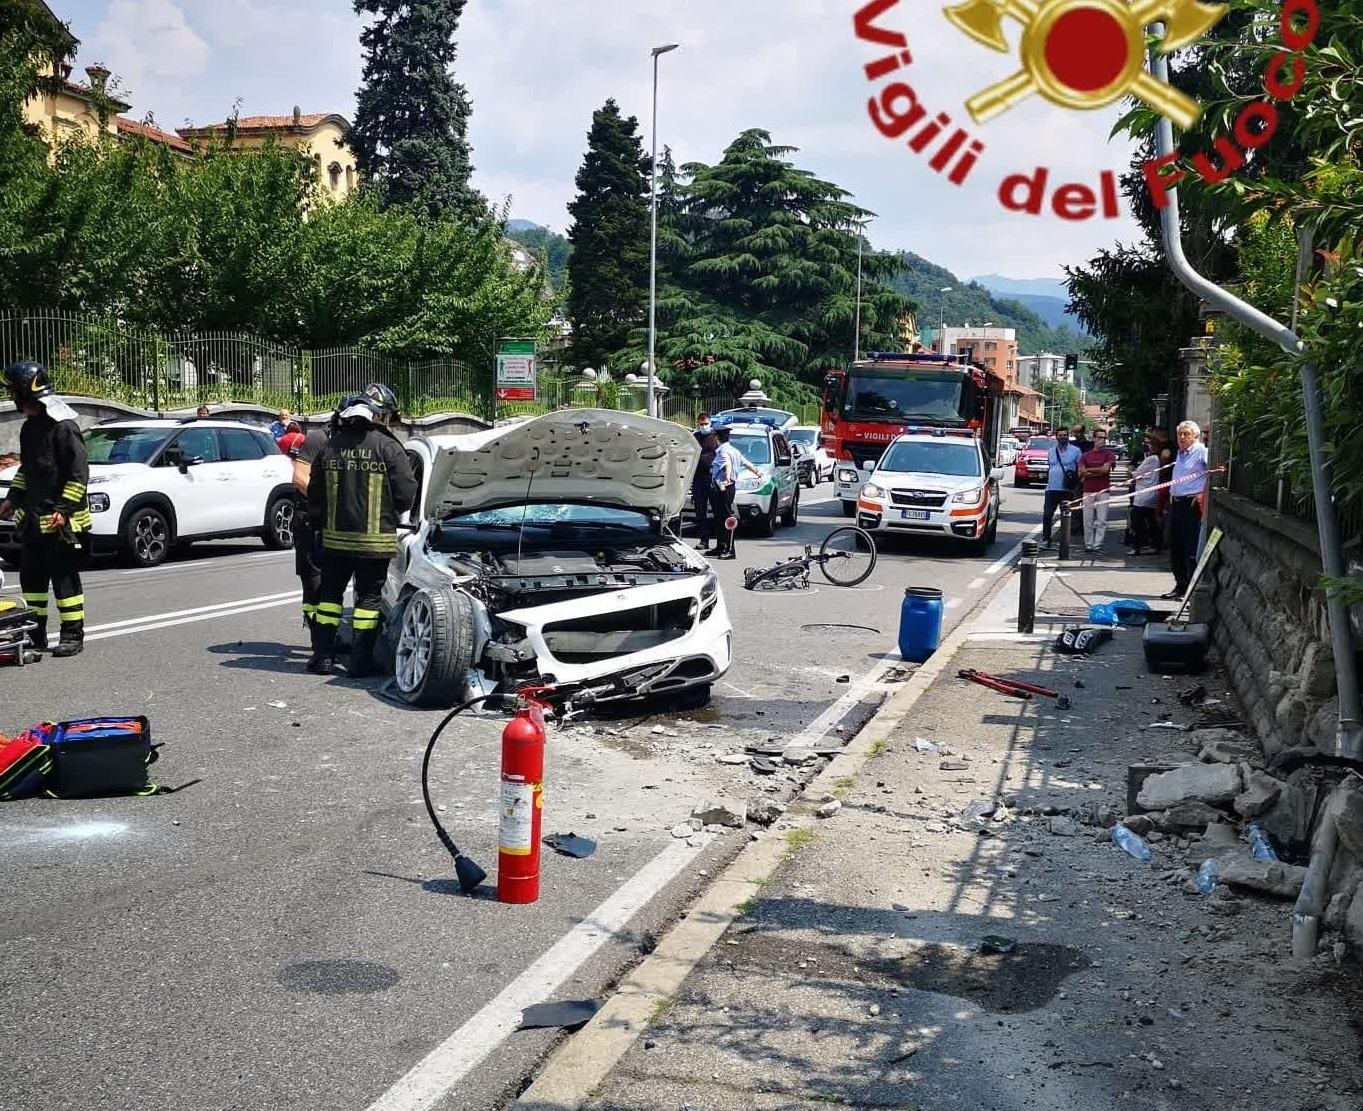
pixel 147 537
pixel 434 647
pixel 765 525
pixel 791 517
pixel 849 509
pixel 993 533
pixel 688 698
pixel 811 477
pixel 278 533
pixel 1018 482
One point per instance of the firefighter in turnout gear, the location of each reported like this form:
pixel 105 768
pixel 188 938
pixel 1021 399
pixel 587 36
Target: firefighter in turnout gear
pixel 360 483
pixel 47 501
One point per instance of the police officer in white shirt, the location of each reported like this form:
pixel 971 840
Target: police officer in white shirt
pixel 1185 504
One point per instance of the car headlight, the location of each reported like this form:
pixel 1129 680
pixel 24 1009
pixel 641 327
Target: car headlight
pixel 750 482
pixel 871 490
pixel 99 503
pixel 846 474
pixel 710 587
pixel 969 497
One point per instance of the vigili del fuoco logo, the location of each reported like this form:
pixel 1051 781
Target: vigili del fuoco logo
pixel 1078 55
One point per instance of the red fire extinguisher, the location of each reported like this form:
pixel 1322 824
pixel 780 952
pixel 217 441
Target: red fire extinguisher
pixel 518 855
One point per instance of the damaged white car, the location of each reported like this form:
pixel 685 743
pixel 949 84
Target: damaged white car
pixel 544 552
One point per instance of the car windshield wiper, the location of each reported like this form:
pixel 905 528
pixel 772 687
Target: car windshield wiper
pixel 484 526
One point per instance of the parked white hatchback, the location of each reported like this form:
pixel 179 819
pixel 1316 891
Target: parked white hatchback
pixel 544 553
pixel 158 483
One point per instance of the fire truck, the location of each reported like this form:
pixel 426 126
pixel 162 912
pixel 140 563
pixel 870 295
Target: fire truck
pixel 877 398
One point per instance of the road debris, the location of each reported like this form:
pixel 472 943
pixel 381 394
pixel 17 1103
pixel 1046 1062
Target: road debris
pixel 764 812
pixel 828 809
pixel 997 944
pixel 920 744
pixel 567 1015
pixel 570 844
pixel 720 812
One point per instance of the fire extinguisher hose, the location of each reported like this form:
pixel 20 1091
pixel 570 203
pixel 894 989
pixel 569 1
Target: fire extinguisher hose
pixel 468 878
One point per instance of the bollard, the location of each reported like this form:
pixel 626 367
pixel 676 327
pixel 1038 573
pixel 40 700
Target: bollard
pixel 1027 587
pixel 1065 515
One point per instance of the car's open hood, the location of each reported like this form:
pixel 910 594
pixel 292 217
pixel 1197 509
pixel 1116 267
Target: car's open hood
pixel 574 455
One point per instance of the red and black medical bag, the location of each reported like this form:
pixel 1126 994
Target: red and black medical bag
pixel 101 756
pixel 25 763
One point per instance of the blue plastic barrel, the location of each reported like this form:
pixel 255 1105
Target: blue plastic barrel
pixel 920 623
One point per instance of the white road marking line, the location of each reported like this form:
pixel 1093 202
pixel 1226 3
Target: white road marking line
pixel 815 731
pixel 952 603
pixel 287 595
pixel 454 1058
pixel 191 620
pixel 1012 554
pixel 1019 638
pixel 271 555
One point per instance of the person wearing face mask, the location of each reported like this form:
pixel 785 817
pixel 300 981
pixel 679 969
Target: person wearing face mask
pixel 700 482
pixel 1062 481
pixel 1145 500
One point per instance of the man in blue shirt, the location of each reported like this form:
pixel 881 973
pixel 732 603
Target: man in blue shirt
pixel 728 461
pixel 1185 505
pixel 1062 481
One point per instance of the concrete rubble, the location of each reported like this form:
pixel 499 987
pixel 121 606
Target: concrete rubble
pixel 1208 783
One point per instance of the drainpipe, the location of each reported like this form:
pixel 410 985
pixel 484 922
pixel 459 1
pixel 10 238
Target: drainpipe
pixel 1349 732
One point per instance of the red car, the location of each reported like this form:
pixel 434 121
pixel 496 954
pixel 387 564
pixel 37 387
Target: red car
pixel 1032 463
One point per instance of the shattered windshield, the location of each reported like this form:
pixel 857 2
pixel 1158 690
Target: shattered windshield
pixel 539 520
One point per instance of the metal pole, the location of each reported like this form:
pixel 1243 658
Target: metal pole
pixel 1065 518
pixel 1027 587
pixel 649 402
pixel 856 338
pixel 1349 732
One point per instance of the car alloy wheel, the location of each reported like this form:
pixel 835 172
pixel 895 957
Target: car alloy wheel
pixel 150 539
pixel 414 644
pixel 281 522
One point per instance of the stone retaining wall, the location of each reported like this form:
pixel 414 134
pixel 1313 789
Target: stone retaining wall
pixel 1270 624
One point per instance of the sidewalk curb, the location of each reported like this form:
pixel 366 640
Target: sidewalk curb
pixel 581 1064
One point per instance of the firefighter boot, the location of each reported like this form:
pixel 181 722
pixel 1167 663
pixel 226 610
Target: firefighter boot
pixel 72 640
pixel 361 662
pixel 36 641
pixel 323 660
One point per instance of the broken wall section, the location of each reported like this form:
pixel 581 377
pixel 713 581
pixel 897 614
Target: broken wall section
pixel 1270 624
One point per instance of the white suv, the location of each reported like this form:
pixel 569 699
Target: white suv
pixel 158 483
pixel 933 484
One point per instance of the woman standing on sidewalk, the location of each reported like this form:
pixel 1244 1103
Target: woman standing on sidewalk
pixel 1144 533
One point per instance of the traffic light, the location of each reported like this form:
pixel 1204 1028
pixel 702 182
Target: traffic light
pixel 1071 364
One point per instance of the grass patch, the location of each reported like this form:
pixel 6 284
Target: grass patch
pixel 746 907
pixel 881 747
pixel 842 787
pixel 797 839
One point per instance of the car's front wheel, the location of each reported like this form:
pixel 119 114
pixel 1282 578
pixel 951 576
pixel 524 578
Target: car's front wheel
pixel 434 647
pixel 792 515
pixel 146 537
pixel 279 522
pixel 765 525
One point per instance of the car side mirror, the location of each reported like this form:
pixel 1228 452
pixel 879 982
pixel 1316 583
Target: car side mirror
pixel 186 461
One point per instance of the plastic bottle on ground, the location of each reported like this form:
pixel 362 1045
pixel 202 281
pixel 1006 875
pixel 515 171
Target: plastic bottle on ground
pixel 1260 847
pixel 1133 844
pixel 1206 877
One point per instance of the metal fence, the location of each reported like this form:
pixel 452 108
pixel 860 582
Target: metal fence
pixel 166 371
pixel 1255 471
pixel 160 371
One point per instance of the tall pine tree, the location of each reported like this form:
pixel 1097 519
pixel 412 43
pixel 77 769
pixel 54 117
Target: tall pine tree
pixel 410 134
pixel 608 271
pixel 760 280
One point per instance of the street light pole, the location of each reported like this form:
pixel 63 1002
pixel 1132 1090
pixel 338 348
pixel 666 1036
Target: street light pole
pixel 856 339
pixel 942 319
pixel 650 403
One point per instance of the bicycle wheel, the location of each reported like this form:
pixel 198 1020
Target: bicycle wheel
pixel 847 556
pixel 786 575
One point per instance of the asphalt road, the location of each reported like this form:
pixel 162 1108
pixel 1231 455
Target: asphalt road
pixel 284 931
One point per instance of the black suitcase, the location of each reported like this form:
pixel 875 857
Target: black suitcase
pixel 1176 647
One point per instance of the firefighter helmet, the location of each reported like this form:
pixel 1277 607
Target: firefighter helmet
pixel 28 381
pixel 380 398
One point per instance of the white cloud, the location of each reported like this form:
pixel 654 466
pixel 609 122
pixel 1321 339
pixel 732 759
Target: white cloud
pixel 148 44
pixel 537 69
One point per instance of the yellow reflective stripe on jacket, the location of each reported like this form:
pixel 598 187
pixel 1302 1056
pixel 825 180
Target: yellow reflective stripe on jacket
pixel 328 613
pixel 37 603
pixel 333 493
pixel 73 492
pixel 375 502
pixel 18 482
pixel 79 521
pixel 360 543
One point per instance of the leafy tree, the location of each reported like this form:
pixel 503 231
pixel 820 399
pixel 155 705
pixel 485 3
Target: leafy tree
pixel 1062 407
pixel 761 276
pixel 608 270
pixel 410 134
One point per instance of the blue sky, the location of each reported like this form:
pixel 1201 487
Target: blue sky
pixel 536 69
